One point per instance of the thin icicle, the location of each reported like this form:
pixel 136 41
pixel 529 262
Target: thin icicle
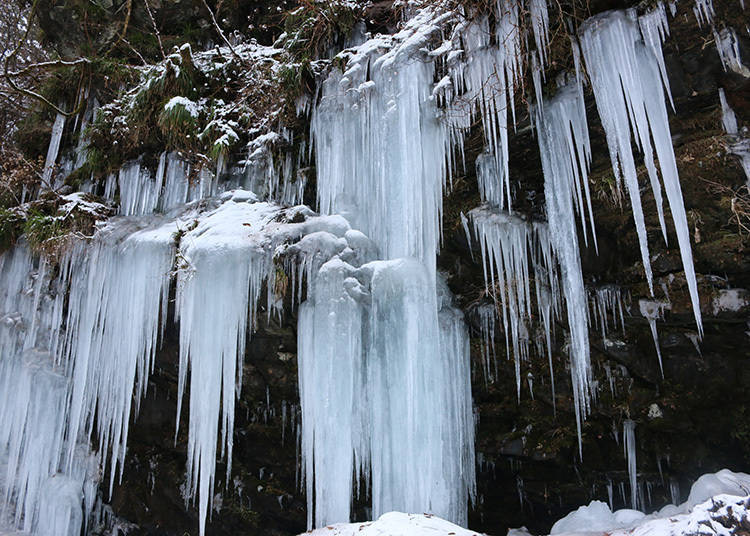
pixel 704 11
pixel 53 150
pixel 655 29
pixel 628 434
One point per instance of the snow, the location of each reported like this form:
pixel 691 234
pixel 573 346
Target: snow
pixel 396 524
pixel 186 104
pixel 626 82
pixel 717 502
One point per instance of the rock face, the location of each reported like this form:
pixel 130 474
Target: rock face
pixel 690 418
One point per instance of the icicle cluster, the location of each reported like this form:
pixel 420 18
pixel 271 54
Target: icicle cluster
pixel 607 303
pixel 566 154
pixel 513 251
pixel 627 85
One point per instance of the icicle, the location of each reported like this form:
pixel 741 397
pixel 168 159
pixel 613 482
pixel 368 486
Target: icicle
pixel 53 150
pixel 652 311
pixel 390 185
pixel 217 292
pixel 674 491
pixel 510 248
pixel 413 360
pixel 540 26
pixel 655 29
pixel 625 78
pixel 728 118
pixel 740 146
pixel 610 494
pixel 628 432
pixel 487 317
pixel 564 146
pixel 727 45
pixel 704 11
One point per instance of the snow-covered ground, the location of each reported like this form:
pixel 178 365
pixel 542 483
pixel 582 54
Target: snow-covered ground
pixel 718 505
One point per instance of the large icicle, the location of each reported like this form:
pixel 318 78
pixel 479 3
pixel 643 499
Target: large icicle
pixel 564 146
pixel 380 148
pixel 627 87
pixel 36 490
pixel 396 360
pixel 217 291
pixel 117 308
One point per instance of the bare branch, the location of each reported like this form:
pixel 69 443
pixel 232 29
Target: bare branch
pixel 221 33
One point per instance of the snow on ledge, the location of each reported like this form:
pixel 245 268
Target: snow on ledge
pixel 396 524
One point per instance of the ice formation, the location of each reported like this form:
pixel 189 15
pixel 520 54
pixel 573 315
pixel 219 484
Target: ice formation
pixel 740 145
pixel 627 86
pixel 628 442
pixel 566 154
pixel 604 303
pixel 653 310
pixel 704 11
pixel 728 47
pixel 513 250
pixel 53 150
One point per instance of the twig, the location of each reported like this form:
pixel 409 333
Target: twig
pixel 156 29
pixel 221 33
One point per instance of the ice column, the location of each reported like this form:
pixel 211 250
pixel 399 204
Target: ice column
pixel 380 152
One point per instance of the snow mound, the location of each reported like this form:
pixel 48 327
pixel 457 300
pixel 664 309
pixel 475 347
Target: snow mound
pixel 396 524
pixel 718 501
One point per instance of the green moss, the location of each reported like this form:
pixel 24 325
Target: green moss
pixel 179 127
pixel 41 228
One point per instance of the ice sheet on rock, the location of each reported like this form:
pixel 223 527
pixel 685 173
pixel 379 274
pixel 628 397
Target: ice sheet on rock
pixel 626 82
